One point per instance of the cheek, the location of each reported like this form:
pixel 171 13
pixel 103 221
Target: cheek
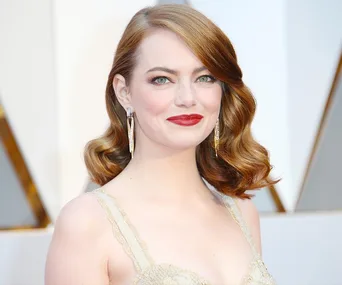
pixel 149 102
pixel 210 98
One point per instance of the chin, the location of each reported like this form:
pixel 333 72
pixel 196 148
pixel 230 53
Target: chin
pixel 184 142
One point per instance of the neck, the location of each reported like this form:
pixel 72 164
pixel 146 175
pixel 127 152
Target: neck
pixel 166 172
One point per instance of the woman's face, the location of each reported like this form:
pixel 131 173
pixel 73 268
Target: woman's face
pixel 169 81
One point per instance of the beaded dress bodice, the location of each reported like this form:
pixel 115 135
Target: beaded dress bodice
pixel 151 273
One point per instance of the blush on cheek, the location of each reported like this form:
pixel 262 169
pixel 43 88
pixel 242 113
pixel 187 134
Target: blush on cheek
pixel 153 102
pixel 150 114
pixel 211 100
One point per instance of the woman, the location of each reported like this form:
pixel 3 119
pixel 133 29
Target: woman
pixel 174 166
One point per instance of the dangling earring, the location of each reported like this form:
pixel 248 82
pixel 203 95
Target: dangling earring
pixel 130 130
pixel 217 136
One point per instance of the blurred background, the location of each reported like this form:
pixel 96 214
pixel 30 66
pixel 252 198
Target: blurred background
pixel 55 56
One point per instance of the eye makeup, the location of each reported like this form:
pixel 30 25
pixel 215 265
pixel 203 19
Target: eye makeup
pixel 162 80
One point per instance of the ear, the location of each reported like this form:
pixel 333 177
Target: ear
pixel 121 91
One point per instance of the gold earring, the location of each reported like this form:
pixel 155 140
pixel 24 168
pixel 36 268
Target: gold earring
pixel 130 130
pixel 217 136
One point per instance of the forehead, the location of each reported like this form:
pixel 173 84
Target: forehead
pixel 164 48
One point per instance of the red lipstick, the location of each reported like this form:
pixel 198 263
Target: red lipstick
pixel 186 120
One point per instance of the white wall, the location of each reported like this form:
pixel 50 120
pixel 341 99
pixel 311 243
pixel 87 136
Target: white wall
pixel 314 37
pixel 303 249
pixel 291 250
pixel 22 257
pixel 27 89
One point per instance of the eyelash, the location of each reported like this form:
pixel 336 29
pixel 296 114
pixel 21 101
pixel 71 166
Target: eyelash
pixel 213 79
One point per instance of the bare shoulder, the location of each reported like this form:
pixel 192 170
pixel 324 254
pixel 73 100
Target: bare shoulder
pixel 248 210
pixel 77 253
pixel 81 215
pixel 250 214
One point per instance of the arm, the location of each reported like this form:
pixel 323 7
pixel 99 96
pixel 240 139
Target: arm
pixel 76 255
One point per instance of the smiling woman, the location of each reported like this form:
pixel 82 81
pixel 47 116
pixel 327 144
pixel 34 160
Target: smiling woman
pixel 176 100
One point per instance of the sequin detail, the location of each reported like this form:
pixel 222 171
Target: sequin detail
pixel 168 274
pixel 149 273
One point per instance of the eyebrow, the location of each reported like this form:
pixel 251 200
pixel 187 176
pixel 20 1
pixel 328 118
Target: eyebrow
pixel 175 72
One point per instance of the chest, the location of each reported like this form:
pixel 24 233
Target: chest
pixel 200 248
pixel 213 246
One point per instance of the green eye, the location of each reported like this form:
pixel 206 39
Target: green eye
pixel 206 78
pixel 160 80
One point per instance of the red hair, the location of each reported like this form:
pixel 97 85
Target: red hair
pixel 242 164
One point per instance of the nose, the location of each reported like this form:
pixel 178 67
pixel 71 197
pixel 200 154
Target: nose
pixel 185 95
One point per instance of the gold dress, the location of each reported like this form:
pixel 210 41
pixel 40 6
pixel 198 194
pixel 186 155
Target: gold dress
pixel 151 273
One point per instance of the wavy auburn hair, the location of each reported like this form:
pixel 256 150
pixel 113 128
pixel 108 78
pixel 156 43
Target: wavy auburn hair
pixel 242 164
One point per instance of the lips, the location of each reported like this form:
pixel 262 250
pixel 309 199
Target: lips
pixel 186 120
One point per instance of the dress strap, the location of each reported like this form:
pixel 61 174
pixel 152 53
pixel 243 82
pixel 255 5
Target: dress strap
pixel 124 231
pixel 235 211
